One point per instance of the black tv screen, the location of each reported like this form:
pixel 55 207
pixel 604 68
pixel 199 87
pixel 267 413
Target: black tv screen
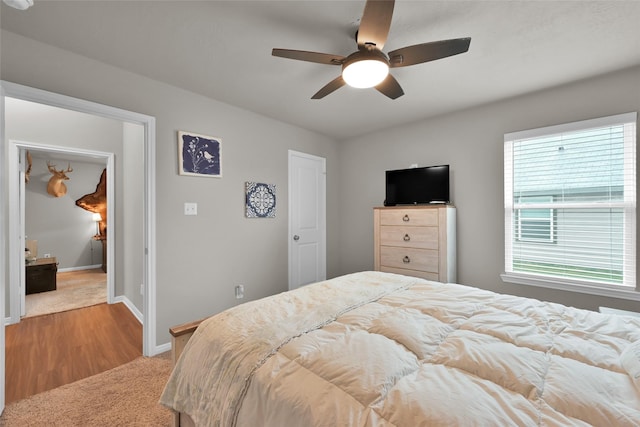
pixel 417 186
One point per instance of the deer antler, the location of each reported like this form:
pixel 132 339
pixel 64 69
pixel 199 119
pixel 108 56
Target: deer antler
pixel 52 168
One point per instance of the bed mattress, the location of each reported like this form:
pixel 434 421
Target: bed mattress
pixel 379 349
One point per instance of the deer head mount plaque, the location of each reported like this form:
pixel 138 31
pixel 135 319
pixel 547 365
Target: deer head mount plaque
pixel 56 186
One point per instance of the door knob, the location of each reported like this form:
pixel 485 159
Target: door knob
pixel 296 237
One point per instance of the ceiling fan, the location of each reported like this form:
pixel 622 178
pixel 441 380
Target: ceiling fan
pixel 369 66
pixel 19 4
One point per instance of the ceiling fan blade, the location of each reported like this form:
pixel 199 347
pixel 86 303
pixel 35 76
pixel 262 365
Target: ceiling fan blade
pixel 390 87
pixel 426 52
pixel 303 55
pixel 375 23
pixel 332 86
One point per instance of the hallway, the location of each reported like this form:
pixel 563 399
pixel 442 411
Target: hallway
pixel 45 352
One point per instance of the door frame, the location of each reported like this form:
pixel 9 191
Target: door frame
pixel 17 223
pixel 13 90
pixel 322 214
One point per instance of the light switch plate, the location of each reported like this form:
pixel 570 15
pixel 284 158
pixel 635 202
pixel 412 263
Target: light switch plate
pixel 191 209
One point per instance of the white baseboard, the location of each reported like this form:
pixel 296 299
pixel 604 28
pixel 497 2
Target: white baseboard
pixel 162 348
pixel 132 308
pixel 83 267
pixel 158 349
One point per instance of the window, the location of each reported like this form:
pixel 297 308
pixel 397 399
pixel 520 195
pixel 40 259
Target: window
pixel 570 206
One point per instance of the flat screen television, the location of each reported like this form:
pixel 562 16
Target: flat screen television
pixel 417 186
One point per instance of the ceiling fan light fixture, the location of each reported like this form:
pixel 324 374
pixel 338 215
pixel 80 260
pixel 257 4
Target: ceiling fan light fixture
pixel 19 4
pixel 369 66
pixel 365 69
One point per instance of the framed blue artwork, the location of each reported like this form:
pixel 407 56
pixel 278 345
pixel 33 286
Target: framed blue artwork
pixel 199 155
pixel 260 200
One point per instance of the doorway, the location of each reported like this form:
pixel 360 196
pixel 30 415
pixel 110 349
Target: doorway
pixel 10 261
pixel 62 238
pixel 64 132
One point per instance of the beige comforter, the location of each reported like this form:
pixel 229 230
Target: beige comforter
pixel 378 349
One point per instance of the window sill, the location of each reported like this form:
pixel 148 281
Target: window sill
pixel 626 293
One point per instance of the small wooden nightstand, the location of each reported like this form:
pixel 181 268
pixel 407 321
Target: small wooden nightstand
pixel 41 275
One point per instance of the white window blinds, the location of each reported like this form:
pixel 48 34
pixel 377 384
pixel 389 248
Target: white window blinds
pixel 570 202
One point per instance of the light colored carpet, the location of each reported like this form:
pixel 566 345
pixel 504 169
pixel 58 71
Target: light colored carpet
pixel 74 289
pixel 124 396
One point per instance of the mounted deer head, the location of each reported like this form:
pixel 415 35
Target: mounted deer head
pixel 56 185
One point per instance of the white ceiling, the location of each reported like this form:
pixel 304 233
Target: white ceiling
pixel 222 49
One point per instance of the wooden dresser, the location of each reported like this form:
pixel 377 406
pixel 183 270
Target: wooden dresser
pixel 416 241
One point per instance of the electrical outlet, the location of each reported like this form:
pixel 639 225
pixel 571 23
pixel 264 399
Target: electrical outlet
pixel 141 288
pixel 47 255
pixel 191 209
pixel 239 291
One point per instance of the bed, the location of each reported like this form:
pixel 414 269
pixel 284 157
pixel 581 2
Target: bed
pixel 381 349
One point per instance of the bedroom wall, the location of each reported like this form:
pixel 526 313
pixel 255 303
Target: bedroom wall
pixel 199 259
pixel 471 142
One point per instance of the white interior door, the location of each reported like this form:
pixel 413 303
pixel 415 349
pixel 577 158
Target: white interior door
pixel 307 219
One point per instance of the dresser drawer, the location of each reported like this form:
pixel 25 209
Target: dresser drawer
pixel 409 237
pixel 413 217
pixel 409 258
pixel 414 273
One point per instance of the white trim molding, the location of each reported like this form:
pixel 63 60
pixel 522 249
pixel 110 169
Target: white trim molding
pixel 572 286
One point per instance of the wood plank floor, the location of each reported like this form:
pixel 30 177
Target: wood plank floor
pixel 48 351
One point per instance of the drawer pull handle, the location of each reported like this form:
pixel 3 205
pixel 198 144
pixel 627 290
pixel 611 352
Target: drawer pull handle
pixel 406 238
pixel 405 218
pixel 406 260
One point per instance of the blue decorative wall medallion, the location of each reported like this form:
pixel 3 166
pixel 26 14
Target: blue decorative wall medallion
pixel 199 155
pixel 260 200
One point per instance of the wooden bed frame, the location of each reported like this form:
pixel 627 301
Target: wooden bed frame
pixel 180 335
